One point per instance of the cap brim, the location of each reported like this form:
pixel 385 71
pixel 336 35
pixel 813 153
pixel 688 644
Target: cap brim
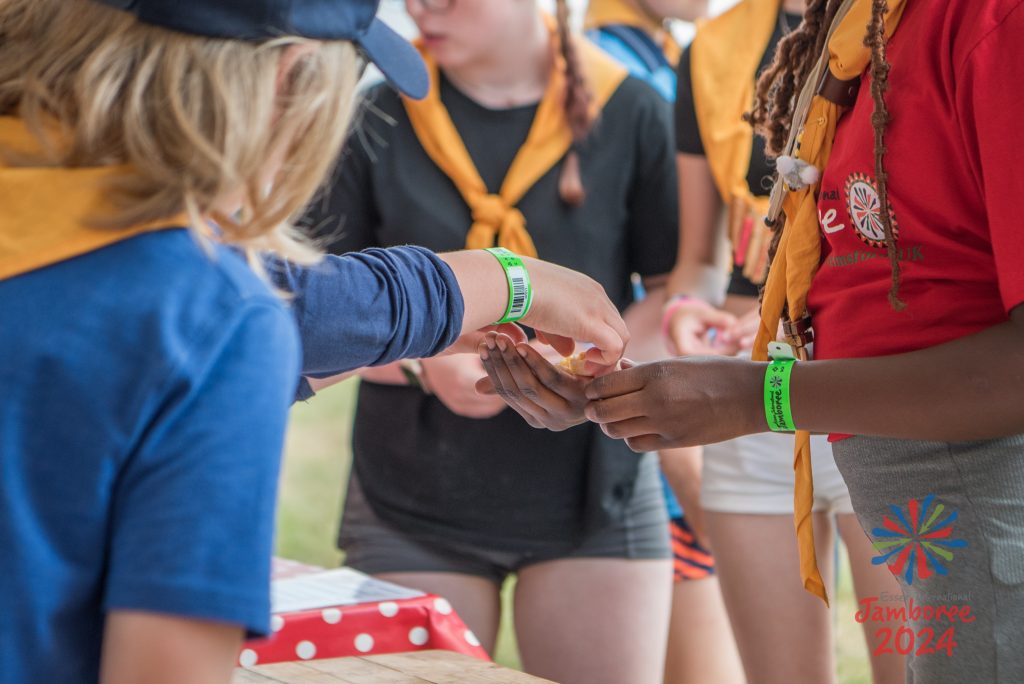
pixel 397 59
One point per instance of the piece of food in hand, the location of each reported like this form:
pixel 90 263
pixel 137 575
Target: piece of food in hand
pixel 575 364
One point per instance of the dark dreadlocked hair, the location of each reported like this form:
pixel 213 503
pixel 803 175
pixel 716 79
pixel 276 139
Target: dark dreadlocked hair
pixel 781 83
pixel 578 100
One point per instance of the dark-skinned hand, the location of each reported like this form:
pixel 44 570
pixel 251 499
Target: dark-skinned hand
pixel 544 395
pixel 679 402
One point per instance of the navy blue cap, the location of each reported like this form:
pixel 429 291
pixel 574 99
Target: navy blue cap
pixel 353 20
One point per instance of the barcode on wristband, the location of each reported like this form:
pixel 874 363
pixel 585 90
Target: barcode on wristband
pixel 517 280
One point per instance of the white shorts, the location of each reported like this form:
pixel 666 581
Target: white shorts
pixel 754 474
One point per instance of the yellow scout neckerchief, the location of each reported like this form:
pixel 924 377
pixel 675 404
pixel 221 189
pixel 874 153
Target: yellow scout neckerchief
pixel 799 253
pixel 549 139
pixel 44 211
pixel 617 12
pixel 724 58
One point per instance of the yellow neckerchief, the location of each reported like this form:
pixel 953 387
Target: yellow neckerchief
pixel 618 12
pixel 549 139
pixel 45 211
pixel 799 253
pixel 724 57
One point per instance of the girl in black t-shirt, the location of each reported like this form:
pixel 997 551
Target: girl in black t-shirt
pixel 536 142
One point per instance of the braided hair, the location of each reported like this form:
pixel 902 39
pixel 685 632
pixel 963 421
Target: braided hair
pixel 780 84
pixel 875 39
pixel 578 109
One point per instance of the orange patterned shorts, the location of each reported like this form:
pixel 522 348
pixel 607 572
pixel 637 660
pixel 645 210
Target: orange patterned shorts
pixel 690 560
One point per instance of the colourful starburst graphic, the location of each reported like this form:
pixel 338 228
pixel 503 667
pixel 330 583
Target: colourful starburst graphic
pixel 917 541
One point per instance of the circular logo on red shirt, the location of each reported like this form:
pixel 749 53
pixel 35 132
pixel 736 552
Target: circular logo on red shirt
pixel 865 210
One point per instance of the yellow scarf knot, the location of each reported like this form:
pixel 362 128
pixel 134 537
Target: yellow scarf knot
pixel 546 145
pixel 494 219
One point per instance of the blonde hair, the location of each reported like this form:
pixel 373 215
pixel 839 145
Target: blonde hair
pixel 195 118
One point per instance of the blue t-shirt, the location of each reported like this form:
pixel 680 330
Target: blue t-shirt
pixel 145 392
pixel 634 49
pixel 145 389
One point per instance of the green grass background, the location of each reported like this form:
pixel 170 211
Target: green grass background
pixel 316 465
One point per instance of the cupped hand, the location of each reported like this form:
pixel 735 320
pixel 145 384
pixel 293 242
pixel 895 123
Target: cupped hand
pixel 453 380
pixel 740 335
pixel 679 402
pixel 690 329
pixel 467 343
pixel 544 395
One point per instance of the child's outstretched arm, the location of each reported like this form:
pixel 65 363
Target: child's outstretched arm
pixel 380 305
pixel 567 306
pixel 967 389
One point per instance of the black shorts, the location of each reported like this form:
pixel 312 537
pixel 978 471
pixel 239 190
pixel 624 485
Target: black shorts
pixel 373 546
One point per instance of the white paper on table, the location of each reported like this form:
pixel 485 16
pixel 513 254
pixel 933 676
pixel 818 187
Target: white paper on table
pixel 341 587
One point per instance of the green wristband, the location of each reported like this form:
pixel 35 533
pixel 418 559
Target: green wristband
pixel 777 408
pixel 520 290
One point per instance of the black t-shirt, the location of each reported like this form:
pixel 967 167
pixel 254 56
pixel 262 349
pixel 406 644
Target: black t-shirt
pixel 760 174
pixel 498 482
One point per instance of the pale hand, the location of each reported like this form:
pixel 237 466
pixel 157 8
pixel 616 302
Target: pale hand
pixel 453 381
pixel 569 307
pixel 690 329
pixel 740 336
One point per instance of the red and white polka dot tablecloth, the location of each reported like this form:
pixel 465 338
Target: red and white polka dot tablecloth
pixel 408 624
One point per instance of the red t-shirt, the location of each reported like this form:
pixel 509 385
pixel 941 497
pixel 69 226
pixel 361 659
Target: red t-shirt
pixel 956 187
